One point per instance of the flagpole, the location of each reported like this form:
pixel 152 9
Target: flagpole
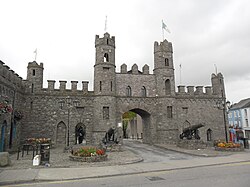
pixel 35 54
pixel 180 74
pixel 215 69
pixel 162 30
pixel 106 20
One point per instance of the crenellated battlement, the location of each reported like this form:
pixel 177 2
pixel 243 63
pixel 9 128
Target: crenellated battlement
pixel 62 86
pixel 163 46
pixel 134 69
pixel 9 75
pixel 194 90
pixel 106 40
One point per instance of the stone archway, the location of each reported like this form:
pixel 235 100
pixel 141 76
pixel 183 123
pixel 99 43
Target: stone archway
pixel 80 133
pixel 146 134
pixel 61 130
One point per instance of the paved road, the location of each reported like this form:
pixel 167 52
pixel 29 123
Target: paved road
pixel 236 174
pixel 154 154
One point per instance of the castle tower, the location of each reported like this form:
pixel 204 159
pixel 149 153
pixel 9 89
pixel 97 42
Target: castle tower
pixel 34 76
pixel 218 85
pixel 104 69
pixel 164 68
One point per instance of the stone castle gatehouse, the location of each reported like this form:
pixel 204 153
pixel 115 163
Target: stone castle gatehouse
pixel 60 113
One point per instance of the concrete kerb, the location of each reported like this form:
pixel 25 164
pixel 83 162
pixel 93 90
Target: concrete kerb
pixel 118 173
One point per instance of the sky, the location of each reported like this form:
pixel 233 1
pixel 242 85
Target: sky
pixel 207 36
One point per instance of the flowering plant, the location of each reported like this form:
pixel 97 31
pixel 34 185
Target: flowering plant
pixel 38 140
pixel 88 152
pixel 228 145
pixel 5 107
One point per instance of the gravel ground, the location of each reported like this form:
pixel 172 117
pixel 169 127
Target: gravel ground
pixel 60 158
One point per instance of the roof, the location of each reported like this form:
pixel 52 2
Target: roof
pixel 242 104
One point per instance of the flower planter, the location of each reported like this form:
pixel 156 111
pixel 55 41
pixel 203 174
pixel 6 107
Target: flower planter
pixel 235 149
pixel 95 158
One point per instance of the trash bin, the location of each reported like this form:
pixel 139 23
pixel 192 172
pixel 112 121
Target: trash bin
pixel 45 153
pixel 246 144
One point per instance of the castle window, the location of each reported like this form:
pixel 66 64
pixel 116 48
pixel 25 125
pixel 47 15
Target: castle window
pixel 31 105
pixel 33 72
pixel 106 57
pixel 75 103
pixel 143 92
pixel 169 112
pixel 167 87
pixel 209 135
pixel 32 88
pixel 61 103
pixel 185 110
pixel 111 86
pixel 166 62
pixel 100 86
pixel 128 91
pixel 105 68
pixel 105 112
pixel 107 41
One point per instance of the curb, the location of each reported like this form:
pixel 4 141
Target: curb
pixel 118 174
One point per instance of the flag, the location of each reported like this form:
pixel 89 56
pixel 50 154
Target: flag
pixel 164 26
pixel 35 54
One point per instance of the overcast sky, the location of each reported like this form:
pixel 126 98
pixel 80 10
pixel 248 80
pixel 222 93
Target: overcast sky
pixel 205 34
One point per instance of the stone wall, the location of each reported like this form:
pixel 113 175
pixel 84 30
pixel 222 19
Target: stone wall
pixel 12 90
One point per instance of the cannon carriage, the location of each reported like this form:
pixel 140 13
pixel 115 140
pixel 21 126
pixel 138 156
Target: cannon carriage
pixel 191 132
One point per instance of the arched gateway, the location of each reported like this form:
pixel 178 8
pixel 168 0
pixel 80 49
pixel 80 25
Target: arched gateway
pixel 146 124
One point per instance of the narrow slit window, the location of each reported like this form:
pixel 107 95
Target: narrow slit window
pixel 105 112
pixel 100 86
pixel 32 88
pixel 166 62
pixel 169 112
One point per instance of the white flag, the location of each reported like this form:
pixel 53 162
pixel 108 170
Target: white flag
pixel 164 26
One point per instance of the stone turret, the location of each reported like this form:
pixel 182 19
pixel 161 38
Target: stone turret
pixel 35 76
pixel 104 73
pixel 164 68
pixel 218 85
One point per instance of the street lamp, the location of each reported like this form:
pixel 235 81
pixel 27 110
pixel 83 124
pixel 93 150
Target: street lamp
pixel 69 106
pixel 222 105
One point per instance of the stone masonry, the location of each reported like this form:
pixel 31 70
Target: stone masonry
pixel 58 113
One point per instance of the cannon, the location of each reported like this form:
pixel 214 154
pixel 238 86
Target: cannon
pixel 110 137
pixel 191 132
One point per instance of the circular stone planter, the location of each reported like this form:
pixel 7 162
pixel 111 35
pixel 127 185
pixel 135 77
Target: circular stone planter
pixel 236 149
pixel 96 158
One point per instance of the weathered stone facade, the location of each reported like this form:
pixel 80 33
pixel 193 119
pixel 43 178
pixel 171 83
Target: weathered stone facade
pixel 58 113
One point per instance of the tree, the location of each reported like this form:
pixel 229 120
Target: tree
pixel 126 117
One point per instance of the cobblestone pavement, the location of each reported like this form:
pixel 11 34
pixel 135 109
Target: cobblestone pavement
pixel 60 159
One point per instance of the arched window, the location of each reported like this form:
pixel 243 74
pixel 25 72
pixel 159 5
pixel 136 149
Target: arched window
pixel 106 57
pixel 166 62
pixel 209 135
pixel 143 92
pixel 128 91
pixel 167 87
